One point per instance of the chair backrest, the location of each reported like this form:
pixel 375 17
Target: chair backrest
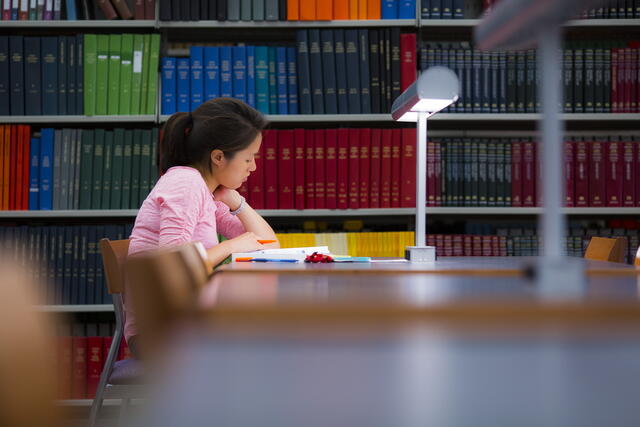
pixel 166 284
pixel 606 249
pixel 114 254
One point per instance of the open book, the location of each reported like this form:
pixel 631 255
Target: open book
pixel 298 254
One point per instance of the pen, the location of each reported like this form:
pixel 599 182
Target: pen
pixel 263 242
pixel 264 260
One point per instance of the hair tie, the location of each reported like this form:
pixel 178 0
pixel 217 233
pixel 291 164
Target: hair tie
pixel 187 129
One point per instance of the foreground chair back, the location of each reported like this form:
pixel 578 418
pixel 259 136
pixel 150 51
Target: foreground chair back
pixel 166 286
pixel 121 379
pixel 606 249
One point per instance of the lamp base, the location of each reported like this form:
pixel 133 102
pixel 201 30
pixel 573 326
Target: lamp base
pixel 420 253
pixel 561 278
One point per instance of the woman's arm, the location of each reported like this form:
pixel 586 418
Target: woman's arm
pixel 251 220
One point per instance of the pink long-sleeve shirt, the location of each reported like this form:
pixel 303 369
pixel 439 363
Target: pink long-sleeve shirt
pixel 179 209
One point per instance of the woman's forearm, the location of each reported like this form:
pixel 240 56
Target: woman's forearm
pixel 217 253
pixel 253 222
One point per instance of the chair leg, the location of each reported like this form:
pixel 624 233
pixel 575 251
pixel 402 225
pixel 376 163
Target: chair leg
pixel 95 407
pixel 124 408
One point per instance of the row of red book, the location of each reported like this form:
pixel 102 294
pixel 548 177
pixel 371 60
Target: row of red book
pixel 80 361
pixel 334 169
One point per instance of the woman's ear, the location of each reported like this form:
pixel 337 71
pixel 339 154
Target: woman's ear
pixel 217 157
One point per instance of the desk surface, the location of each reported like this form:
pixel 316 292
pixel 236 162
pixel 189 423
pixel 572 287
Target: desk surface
pixel 450 265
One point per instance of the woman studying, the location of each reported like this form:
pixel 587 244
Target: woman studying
pixel 206 156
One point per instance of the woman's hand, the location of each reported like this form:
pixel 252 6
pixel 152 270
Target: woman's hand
pixel 246 242
pixel 228 196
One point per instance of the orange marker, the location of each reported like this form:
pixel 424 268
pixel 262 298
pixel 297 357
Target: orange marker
pixel 263 242
pixel 247 259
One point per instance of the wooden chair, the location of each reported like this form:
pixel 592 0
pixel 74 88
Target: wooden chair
pixel 606 249
pixel 167 283
pixel 119 379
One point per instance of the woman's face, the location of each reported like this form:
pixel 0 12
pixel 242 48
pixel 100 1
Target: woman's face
pixel 231 173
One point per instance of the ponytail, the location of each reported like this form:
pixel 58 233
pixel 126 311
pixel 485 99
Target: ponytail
pixel 224 124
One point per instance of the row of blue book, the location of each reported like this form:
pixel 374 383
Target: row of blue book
pixel 264 77
pixel 91 168
pixel 64 260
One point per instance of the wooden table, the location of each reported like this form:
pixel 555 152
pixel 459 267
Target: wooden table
pixel 491 266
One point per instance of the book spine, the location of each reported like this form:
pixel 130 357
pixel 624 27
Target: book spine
pixel 281 76
pixel 285 169
pixel 62 75
pixel 363 55
pixel 569 173
pixel 16 75
pixel 319 168
pixel 385 168
pixel 582 174
pixel 364 168
pixel 353 78
pixel 114 66
pixel 34 176
pixel 343 169
pixel 331 167
pixel 354 168
pixel 273 82
pixel 315 64
pixel 528 174
pixel 262 79
pixel 271 168
pixel 597 185
pixel 211 73
pixel 168 85
pixel 183 85
pixel 251 76
pixel 309 170
pixel 49 58
pixel 628 174
pixel 408 173
pixel 341 71
pixel 304 71
pixel 46 169
pixel 328 72
pixel 292 81
pixel 589 81
pixel 614 174
pixel 299 171
pixel 32 76
pixel 239 72
pixel 395 63
pixel 396 162
pixel 256 181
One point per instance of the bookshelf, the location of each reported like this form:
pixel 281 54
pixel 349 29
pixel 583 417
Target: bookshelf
pixel 76 308
pixel 455 124
pixel 310 213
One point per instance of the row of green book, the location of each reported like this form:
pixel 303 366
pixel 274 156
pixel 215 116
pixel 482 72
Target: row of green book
pixel 120 73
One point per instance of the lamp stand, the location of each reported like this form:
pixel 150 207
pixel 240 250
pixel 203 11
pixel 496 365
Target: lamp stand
pixel 558 276
pixel 420 252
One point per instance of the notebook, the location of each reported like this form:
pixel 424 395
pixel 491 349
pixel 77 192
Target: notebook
pixel 298 254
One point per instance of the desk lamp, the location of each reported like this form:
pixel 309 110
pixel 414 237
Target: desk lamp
pixel 434 90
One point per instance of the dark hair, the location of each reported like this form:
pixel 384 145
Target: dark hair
pixel 225 124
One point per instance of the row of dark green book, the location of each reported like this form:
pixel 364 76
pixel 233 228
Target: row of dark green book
pixel 64 260
pixel 94 168
pixel 597 78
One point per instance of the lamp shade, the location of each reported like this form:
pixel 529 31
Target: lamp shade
pixel 434 90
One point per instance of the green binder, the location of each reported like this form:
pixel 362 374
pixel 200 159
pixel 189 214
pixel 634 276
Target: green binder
pixel 115 42
pixel 102 74
pixel 126 71
pixel 144 90
pixel 90 70
pixel 136 79
pixel 154 56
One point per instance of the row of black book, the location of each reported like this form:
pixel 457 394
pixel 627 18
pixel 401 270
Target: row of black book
pixel 614 9
pixel 42 75
pixel 353 71
pixel 64 260
pixel 506 82
pixel 72 10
